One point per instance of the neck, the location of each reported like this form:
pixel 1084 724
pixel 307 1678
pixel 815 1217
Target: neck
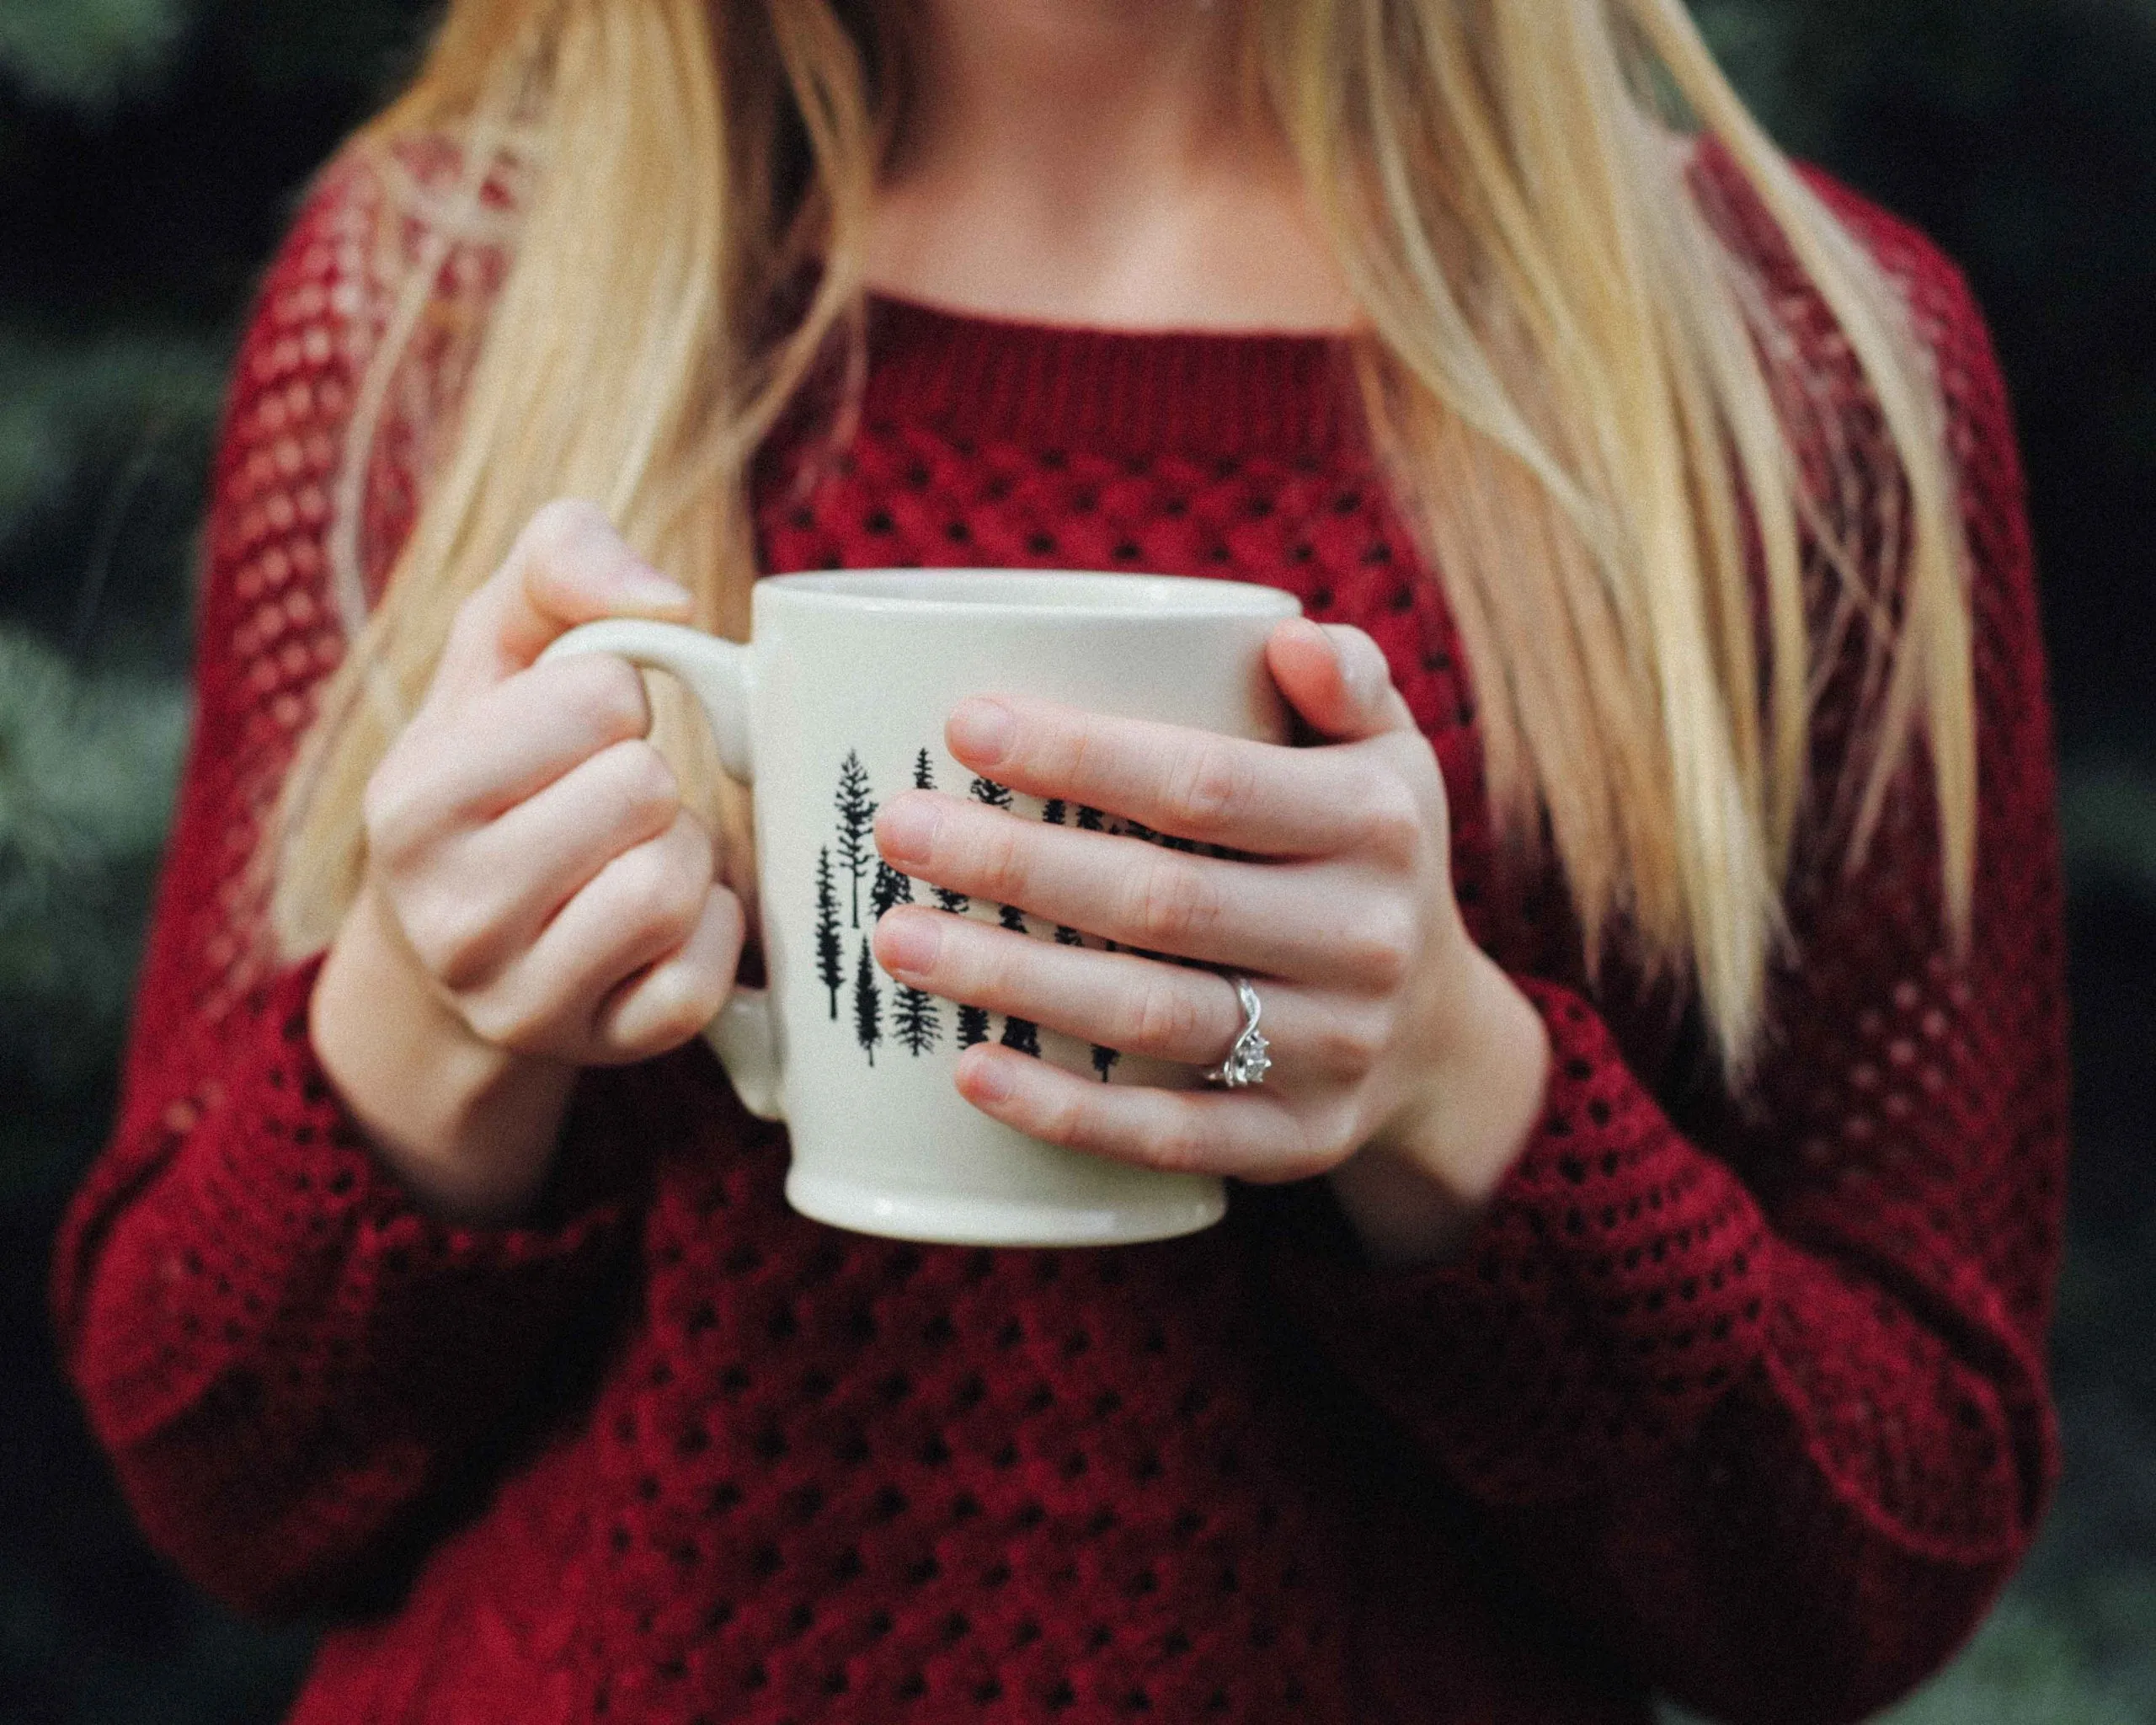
pixel 1095 161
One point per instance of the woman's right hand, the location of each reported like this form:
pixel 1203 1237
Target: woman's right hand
pixel 535 897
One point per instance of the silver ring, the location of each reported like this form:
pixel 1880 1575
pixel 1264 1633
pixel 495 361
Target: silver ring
pixel 1250 1058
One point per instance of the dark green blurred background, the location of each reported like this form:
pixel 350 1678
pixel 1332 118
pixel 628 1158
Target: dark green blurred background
pixel 149 153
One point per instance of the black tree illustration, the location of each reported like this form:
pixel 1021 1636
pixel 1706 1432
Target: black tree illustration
pixel 973 1025
pixel 891 888
pixel 1017 1031
pixel 1022 1035
pixel 1052 812
pixel 830 953
pixel 1104 1058
pixel 916 1024
pixel 856 819
pixel 924 779
pixel 868 1004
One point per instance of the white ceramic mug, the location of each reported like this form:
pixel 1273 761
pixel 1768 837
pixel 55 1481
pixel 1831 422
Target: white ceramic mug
pixel 837 703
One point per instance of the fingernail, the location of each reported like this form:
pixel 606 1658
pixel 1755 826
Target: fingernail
pixel 909 944
pixel 989 1078
pixel 1358 676
pixel 981 729
pixel 645 585
pixel 905 831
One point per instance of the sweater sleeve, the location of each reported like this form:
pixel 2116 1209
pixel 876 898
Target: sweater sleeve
pixel 1765 1406
pixel 282 1356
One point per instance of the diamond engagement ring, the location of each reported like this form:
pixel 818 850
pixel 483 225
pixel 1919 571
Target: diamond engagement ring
pixel 1250 1059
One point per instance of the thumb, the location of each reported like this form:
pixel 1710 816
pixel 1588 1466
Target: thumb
pixel 568 566
pixel 1337 680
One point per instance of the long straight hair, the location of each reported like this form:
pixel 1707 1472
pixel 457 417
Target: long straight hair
pixel 1573 374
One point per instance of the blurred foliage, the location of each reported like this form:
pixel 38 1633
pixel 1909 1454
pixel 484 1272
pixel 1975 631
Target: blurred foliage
pixel 149 151
pixel 86 772
pixel 87 53
pixel 2032 1664
pixel 2021 134
pixel 2108 818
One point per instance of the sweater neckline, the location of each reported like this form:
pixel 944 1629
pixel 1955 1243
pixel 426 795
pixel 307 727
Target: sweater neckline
pixel 1207 393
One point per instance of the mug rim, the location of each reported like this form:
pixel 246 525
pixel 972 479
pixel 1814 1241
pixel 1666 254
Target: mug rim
pixel 1158 598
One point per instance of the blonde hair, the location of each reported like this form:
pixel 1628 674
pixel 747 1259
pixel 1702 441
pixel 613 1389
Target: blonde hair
pixel 1576 380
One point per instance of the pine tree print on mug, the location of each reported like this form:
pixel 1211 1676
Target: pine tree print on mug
pixel 830 950
pixel 857 807
pixel 868 1004
pixel 917 1025
pixel 891 888
pixel 924 779
pixel 1018 1033
pixel 915 1020
pixel 1104 1058
pixel 1054 813
pixel 1022 1035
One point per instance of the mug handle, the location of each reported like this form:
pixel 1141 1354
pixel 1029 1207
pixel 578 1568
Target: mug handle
pixel 744 1035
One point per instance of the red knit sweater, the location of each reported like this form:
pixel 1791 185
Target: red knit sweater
pixel 1744 1402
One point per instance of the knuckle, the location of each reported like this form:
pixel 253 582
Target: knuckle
pixel 1380 945
pixel 508 1020
pixel 706 984
pixel 1392 824
pixel 1328 1137
pixel 1069 1122
pixel 690 878
pixel 1350 1045
pixel 993 967
pixel 1006 859
pixel 606 692
pixel 1339 1134
pixel 640 876
pixel 643 784
pixel 1178 1144
pixel 558 529
pixel 1211 782
pixel 676 911
pixel 1075 750
pixel 387 816
pixel 397 816
pixel 1172 903
pixel 680 999
pixel 454 940
pixel 668 899
pixel 1164 1018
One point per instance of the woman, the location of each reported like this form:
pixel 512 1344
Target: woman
pixel 1640 1279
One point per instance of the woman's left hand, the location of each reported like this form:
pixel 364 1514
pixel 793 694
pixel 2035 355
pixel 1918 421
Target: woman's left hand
pixel 1405 1064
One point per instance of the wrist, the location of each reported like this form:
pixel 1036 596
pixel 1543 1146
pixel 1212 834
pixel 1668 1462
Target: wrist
pixel 468 1126
pixel 1416 1190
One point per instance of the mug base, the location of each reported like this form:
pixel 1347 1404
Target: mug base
pixel 951 1218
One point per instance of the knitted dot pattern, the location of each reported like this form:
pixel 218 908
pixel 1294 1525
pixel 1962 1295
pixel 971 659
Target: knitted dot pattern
pixel 1746 1395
